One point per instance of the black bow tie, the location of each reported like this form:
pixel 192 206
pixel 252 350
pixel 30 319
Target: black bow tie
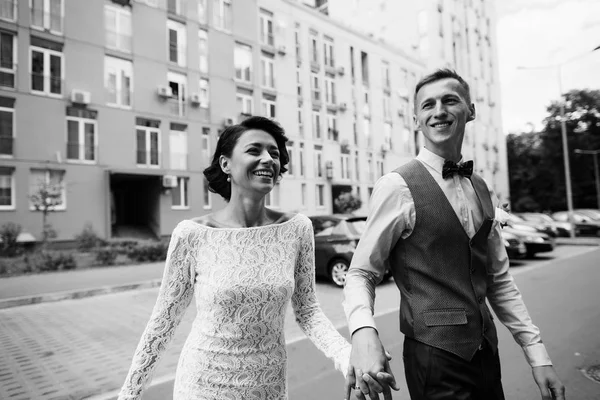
pixel 463 169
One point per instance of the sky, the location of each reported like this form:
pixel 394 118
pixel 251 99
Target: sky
pixel 543 33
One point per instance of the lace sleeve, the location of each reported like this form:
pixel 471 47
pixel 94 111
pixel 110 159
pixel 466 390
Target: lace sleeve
pixel 308 312
pixel 174 296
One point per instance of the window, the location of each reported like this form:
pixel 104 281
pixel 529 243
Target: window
pixel 352 72
pixel 386 75
pixel 328 53
pixel 203 50
pixel 177 83
pixel 298 82
pixel 179 195
pixel 367 131
pixel 204 93
pixel 7 118
pixel 118 28
pixel 46 71
pixel 118 81
pixel 290 164
pixel 297 40
pixel 151 3
pixel 245 103
pixel 8 10
pixel 202 11
pixel 303 194
pixel 48 179
pixel 316 124
pixel 148 146
pixel 364 64
pixel 300 121
pixel 301 165
pixel 387 135
pixel 315 86
pixel 354 131
pixel 314 48
pixel 356 166
pixel 380 168
pixel 175 6
pixel 371 175
pixel 206 143
pixel 268 106
pixel 320 193
pixel 47 15
pixel 8 57
pixel 267 37
pixel 7 189
pixel 222 14
pixel 345 162
pixel 177 42
pixel 329 90
pixel 268 79
pixel 332 132
pixel 82 140
pixel 387 111
pixel 242 59
pixel 319 163
pixel 272 198
pixel 178 146
pixel 206 197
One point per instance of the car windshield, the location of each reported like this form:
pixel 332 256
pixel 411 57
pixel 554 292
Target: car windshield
pixel 324 225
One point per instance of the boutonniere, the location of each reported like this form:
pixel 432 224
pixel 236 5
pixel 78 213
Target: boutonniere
pixel 501 216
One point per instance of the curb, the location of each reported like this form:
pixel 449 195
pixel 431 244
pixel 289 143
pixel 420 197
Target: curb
pixel 75 294
pixel 578 242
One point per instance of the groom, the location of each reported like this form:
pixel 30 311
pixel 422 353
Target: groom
pixel 432 221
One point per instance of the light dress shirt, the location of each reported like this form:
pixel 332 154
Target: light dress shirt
pixel 392 216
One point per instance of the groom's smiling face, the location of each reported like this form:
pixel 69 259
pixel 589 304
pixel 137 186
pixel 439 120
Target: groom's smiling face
pixel 442 110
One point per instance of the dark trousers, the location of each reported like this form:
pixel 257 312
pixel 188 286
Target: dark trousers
pixel 434 374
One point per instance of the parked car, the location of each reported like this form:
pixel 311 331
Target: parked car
pixel 515 247
pixel 535 242
pixel 516 222
pixel 590 212
pixel 562 229
pixel 336 237
pixel 584 224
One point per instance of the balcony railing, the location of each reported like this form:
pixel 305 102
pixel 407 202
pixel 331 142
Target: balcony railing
pixel 177 106
pixel 147 158
pixel 267 39
pixel 81 152
pixel 119 98
pixel 6 145
pixel 118 41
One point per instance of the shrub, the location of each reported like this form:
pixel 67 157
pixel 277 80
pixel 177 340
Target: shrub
pixel 107 256
pixel 45 260
pixel 155 251
pixel 87 239
pixel 9 233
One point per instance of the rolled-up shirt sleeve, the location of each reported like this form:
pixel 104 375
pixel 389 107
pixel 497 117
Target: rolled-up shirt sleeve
pixel 507 302
pixel 391 216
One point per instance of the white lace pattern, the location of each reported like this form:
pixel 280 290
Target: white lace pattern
pixel 243 279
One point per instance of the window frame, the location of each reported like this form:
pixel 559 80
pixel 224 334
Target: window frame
pixel 203 50
pixel 13 133
pixel 184 193
pixel 148 151
pixel 320 195
pixel 81 122
pixel 121 67
pixel 238 49
pixel 268 71
pixel 246 99
pixel 315 87
pixel 316 124
pixel 330 97
pixel 268 108
pixel 204 92
pixel 120 37
pixel 47 78
pixel 180 100
pixel 12 70
pixel 267 37
pixel 46 17
pixel 173 134
pixel 328 53
pixel 319 173
pixel 206 196
pixel 13 205
pixel 181 42
pixel 222 21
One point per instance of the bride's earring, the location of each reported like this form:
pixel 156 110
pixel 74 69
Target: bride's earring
pixel 228 178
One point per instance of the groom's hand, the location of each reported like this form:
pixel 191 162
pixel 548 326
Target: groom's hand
pixel 547 380
pixel 369 367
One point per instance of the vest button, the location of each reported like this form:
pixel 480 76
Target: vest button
pixel 472 270
pixel 480 299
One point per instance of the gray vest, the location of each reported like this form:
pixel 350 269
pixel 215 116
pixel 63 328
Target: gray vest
pixel 440 272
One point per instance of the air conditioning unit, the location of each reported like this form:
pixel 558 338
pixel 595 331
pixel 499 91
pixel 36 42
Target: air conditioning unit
pixel 341 71
pixel 342 106
pixel 281 50
pixel 228 122
pixel 169 181
pixel 195 98
pixel 80 96
pixel 164 91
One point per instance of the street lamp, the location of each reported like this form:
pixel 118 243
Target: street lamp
pixel 563 131
pixel 596 171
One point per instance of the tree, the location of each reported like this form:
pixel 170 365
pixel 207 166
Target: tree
pixel 537 178
pixel 45 198
pixel 347 203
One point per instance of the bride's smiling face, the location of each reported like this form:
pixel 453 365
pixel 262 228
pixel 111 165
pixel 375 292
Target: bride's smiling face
pixel 254 165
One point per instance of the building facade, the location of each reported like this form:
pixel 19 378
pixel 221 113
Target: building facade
pixel 119 104
pixel 460 34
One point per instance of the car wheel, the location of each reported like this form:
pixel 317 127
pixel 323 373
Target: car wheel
pixel 338 270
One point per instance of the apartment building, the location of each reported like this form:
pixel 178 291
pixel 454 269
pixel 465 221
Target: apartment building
pixel 121 102
pixel 460 34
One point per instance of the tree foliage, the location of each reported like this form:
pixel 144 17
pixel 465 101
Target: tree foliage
pixel 46 197
pixel 535 160
pixel 347 203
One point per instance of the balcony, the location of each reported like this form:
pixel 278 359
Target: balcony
pixel 6 145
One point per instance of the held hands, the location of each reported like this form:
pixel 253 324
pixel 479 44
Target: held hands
pixel 550 386
pixel 369 370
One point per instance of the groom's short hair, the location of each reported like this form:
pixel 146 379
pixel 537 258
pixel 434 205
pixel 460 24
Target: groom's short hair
pixel 443 73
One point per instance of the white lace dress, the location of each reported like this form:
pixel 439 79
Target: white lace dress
pixel 243 279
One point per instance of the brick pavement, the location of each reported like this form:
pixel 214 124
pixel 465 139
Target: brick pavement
pixel 75 349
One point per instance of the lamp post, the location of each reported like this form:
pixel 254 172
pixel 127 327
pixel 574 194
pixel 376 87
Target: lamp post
pixel 563 132
pixel 596 171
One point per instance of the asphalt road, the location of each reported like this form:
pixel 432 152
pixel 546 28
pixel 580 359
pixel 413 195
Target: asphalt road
pixel 561 291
